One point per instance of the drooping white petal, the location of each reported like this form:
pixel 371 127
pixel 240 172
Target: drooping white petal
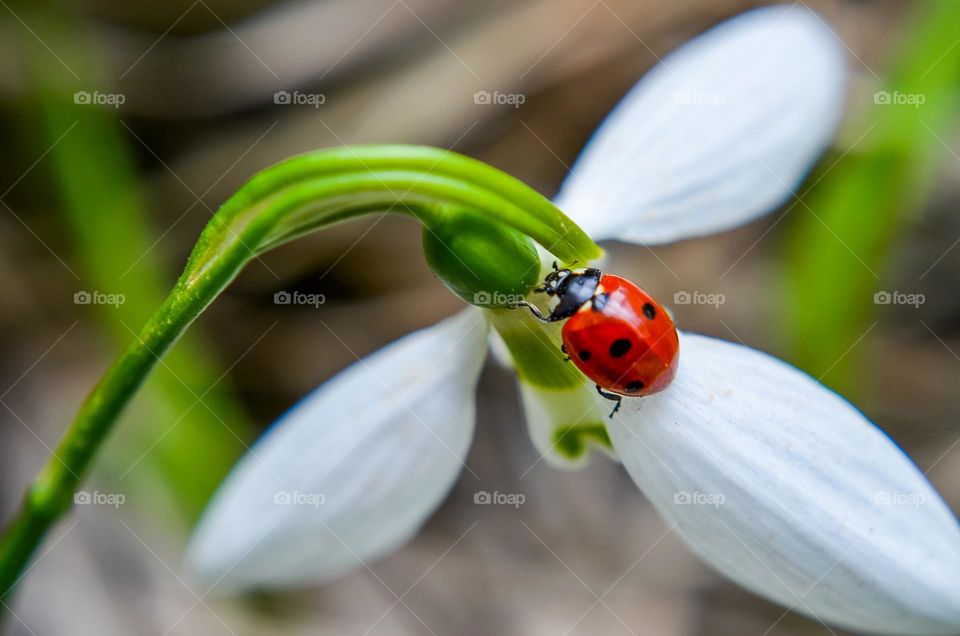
pixel 787 489
pixel 353 471
pixel 718 133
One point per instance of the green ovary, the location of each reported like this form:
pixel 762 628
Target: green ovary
pixel 486 263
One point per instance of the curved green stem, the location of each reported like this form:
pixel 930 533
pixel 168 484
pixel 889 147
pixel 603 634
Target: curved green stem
pixel 51 494
pixel 287 200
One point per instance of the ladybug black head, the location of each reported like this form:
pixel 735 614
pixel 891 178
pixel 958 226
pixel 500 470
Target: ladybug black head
pixel 572 289
pixel 554 281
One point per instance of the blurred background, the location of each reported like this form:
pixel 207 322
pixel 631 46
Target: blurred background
pixel 124 125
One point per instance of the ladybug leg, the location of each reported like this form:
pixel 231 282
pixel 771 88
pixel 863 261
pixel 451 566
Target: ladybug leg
pixel 611 396
pixel 535 311
pixel 616 406
pixel 563 350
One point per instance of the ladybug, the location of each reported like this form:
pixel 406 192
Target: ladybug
pixel 616 333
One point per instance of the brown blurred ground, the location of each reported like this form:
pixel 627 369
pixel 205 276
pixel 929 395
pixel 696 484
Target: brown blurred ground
pixel 201 100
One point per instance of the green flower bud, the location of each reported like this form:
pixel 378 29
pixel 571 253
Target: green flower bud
pixel 485 262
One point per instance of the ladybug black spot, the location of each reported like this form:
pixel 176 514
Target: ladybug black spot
pixel 584 355
pixel 634 386
pixel 620 347
pixel 649 311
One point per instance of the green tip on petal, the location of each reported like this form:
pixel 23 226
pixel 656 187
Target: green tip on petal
pixel 563 412
pixel 573 441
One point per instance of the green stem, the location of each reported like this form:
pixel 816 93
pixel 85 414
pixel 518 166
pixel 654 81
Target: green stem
pixel 91 173
pixel 285 201
pixel 51 494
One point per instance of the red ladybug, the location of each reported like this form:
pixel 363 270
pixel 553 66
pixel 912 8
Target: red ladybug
pixel 616 333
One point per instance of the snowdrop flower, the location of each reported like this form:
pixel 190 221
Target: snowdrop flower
pixel 771 478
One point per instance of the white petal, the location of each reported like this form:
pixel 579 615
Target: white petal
pixel 353 471
pixel 718 133
pixel 787 489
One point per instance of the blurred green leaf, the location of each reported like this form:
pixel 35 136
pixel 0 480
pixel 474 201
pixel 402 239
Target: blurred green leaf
pixel 847 224
pixel 193 428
